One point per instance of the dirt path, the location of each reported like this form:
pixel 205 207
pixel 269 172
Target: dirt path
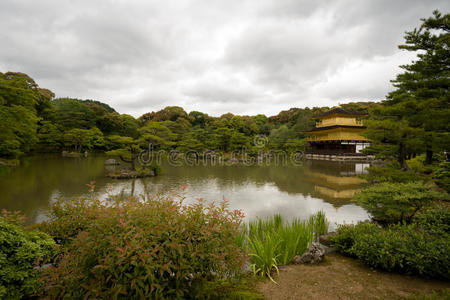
pixel 340 277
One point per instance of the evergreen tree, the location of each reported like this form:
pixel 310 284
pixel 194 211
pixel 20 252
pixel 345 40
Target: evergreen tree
pixel 415 117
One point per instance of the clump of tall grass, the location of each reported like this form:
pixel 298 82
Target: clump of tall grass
pixel 274 241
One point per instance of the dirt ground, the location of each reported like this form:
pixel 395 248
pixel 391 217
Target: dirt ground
pixel 340 277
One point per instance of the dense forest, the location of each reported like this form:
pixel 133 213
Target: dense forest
pixel 414 118
pixel 33 120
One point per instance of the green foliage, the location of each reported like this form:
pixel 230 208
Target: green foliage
pixel 73 113
pixel 401 248
pixel 83 138
pixel 442 176
pixel 19 98
pixel 443 295
pixel 273 241
pixel 49 134
pixel 20 251
pixel 391 173
pixel 435 220
pixel 18 126
pixel 346 236
pixel 157 248
pixel 414 118
pixel 396 202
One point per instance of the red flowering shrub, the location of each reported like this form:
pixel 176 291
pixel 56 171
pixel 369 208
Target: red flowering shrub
pixel 158 248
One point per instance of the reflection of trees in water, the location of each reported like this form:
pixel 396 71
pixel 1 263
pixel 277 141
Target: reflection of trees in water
pixel 305 180
pixel 30 187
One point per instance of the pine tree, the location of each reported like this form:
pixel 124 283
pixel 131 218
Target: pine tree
pixel 415 116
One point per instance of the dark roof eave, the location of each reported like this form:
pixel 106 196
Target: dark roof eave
pixel 335 126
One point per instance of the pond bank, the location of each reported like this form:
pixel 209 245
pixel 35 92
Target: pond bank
pixel 340 277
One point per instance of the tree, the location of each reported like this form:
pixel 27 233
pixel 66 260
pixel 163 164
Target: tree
pixel 128 149
pixel 425 82
pixel 17 130
pixel 238 141
pixel 72 113
pixel 414 117
pixel 157 134
pixel 390 202
pixel 79 138
pixel 19 95
pixel 49 134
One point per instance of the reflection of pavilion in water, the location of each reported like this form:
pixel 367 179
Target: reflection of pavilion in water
pixel 337 184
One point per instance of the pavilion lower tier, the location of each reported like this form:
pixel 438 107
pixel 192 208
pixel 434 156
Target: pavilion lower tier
pixel 337 147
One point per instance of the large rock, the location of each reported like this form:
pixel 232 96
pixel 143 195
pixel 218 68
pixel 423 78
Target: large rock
pixel 313 255
pixel 111 162
pixel 325 239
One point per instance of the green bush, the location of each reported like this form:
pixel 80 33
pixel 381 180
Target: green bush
pixel 402 248
pixel 392 173
pixel 442 295
pixel 67 219
pixel 435 220
pixel 20 251
pixel 346 236
pixel 157 248
pixel 442 176
pixel 396 202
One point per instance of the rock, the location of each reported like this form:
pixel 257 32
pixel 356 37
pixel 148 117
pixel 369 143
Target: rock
pixel 43 267
pixel 328 250
pixel 128 174
pixel 325 239
pixel 111 162
pixel 70 154
pixel 313 255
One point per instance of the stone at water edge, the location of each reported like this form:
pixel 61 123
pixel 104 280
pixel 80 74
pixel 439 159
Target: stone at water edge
pixel 313 255
pixel 130 174
pixel 111 162
pixel 325 239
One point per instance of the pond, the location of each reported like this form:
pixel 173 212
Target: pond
pixel 259 191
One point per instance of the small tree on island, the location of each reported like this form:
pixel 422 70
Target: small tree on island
pixel 128 149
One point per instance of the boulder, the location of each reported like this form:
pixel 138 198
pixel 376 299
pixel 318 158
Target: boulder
pixel 111 162
pixel 313 255
pixel 325 239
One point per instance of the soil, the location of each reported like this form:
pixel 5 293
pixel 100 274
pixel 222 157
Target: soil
pixel 340 277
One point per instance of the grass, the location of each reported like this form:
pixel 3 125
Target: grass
pixel 274 241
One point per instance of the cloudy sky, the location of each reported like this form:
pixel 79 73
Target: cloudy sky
pixel 243 56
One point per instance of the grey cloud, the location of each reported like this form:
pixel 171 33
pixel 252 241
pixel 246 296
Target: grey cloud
pixel 249 56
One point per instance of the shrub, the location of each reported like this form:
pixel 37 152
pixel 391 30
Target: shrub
pixel 273 241
pixel 396 202
pixel 402 248
pixel 20 251
pixel 392 173
pixel 67 219
pixel 442 176
pixel 346 236
pixel 157 248
pixel 435 220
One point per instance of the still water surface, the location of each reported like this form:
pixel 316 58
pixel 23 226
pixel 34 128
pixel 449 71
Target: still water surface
pixel 260 191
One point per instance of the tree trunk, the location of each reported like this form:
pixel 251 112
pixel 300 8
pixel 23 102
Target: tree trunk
pixel 429 157
pixel 401 157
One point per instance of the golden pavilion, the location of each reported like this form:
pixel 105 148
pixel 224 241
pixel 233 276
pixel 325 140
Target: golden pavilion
pixel 337 132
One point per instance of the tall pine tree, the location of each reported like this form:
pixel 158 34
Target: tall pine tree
pixel 415 118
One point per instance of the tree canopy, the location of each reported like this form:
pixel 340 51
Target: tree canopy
pixel 414 118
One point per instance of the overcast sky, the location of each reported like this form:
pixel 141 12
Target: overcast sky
pixel 242 56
